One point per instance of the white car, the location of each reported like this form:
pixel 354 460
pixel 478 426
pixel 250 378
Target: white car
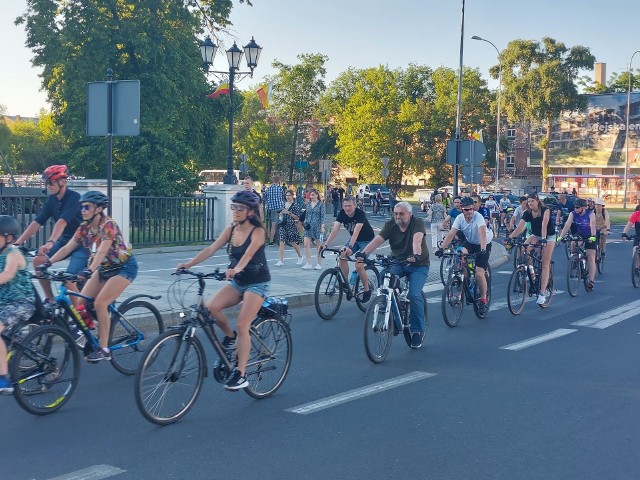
pixel 424 197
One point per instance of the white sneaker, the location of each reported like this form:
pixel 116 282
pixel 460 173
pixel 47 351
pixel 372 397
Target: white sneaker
pixel 318 267
pixel 541 300
pixel 279 263
pixel 307 267
pixel 300 260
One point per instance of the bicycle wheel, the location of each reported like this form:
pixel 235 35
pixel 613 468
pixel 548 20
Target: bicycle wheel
pixel 378 334
pixel 170 376
pixel 635 270
pixel 130 335
pixel 600 261
pixel 573 275
pixel 270 357
pixel 453 302
pixel 328 294
pixel 445 268
pixel 567 249
pixel 517 251
pixel 517 291
pixel 45 368
pixel 584 273
pixel 407 319
pixel 372 274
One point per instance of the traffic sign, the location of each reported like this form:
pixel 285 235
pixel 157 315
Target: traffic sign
pixel 470 152
pixel 385 161
pixel 301 164
pixel 385 172
pixel 324 165
pixel 471 174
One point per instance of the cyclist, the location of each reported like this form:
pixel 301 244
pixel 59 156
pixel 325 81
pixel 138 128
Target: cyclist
pixel 377 202
pixel 634 222
pixel 453 213
pixel 111 267
pixel 492 205
pixel 542 231
pixel 585 223
pixel 591 204
pixel 248 277
pixel 505 205
pixel 603 224
pixel 518 212
pixel 63 205
pixel 406 235
pixel 478 241
pixel 482 209
pixel 565 207
pixel 361 233
pixel 17 297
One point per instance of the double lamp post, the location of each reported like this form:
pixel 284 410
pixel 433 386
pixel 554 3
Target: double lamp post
pixel 252 52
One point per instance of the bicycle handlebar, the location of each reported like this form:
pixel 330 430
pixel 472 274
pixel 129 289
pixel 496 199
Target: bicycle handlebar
pixel 217 274
pixel 337 251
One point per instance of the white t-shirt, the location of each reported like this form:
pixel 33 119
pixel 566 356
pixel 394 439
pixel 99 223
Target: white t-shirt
pixel 470 229
pixel 491 205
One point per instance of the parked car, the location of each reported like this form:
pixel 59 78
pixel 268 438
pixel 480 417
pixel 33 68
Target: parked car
pixel 369 191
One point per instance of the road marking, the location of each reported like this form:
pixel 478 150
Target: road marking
pixel 610 317
pixel 433 287
pixel 334 400
pixel 95 472
pixel 504 272
pixel 561 332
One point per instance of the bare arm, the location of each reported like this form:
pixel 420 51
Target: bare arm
pixel 65 251
pixel 519 229
pixel 14 261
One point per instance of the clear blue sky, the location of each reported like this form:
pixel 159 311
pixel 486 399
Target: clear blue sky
pixel 367 33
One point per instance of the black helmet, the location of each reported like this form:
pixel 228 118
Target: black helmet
pixel 466 201
pixel 581 202
pixel 9 226
pixel 99 199
pixel 247 198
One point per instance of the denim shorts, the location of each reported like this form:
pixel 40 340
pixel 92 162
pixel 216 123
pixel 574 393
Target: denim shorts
pixel 130 269
pixel 257 288
pixel 358 246
pixel 78 259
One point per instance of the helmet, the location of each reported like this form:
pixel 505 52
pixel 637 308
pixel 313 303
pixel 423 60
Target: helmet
pixel 466 202
pixel 55 172
pixel 581 202
pixel 590 199
pixel 247 198
pixel 600 201
pixel 99 199
pixel 9 226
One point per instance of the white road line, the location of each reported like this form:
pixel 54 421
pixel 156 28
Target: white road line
pixel 539 339
pixel 504 272
pixel 95 472
pixel 334 400
pixel 610 317
pixel 433 287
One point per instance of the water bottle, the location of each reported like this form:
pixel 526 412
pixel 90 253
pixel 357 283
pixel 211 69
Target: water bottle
pixel 531 271
pixel 352 278
pixel 86 316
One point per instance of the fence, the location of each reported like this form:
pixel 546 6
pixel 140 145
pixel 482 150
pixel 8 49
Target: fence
pixel 24 209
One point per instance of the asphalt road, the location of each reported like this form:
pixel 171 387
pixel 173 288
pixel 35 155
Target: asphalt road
pixel 499 398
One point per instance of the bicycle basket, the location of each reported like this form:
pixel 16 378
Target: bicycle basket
pixel 182 293
pixel 274 307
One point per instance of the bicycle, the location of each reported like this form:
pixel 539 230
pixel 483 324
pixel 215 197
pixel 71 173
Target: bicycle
pixel 526 278
pixel 447 261
pixel 514 247
pixel 171 373
pixel 578 265
pixel 635 260
pixel 600 258
pixel 462 286
pixel 332 285
pixel 504 227
pixel 391 299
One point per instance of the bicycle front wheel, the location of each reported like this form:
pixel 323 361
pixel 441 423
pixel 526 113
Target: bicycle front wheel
pixel 573 275
pixel 45 368
pixel 130 335
pixel 170 376
pixel 517 291
pixel 328 294
pixel 270 356
pixel 378 333
pixel 600 261
pixel 372 275
pixel 453 302
pixel 445 268
pixel 635 270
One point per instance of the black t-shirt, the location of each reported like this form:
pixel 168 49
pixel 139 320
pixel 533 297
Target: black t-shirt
pixel 68 208
pixel 536 223
pixel 366 232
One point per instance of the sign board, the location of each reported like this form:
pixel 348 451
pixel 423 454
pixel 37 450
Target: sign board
pixel 385 172
pixel 471 152
pixel 472 174
pixel 125 104
pixel 300 164
pixel 324 165
pixel 326 175
pixel 385 161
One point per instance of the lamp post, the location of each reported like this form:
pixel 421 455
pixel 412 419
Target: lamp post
pixel 626 140
pixel 475 37
pixel 252 52
pixel 459 110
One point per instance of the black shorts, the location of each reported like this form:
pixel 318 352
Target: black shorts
pixel 482 260
pixel 587 244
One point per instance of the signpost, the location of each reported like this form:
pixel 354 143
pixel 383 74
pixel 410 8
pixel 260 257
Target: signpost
pixel 471 155
pixel 301 165
pixel 243 165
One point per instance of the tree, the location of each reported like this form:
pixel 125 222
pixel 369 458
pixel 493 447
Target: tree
pixel 539 81
pixel 617 83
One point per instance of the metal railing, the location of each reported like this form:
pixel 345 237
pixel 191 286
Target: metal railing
pixel 24 209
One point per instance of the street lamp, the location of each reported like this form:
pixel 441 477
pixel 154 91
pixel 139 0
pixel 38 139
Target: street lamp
pixel 475 37
pixel 252 52
pixel 626 163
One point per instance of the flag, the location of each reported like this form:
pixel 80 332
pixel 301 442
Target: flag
pixel 223 89
pixel 477 135
pixel 264 94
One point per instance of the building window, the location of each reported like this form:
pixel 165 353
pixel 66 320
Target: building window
pixel 510 161
pixel 511 132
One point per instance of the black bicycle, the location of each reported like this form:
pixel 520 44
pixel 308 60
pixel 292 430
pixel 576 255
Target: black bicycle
pixel 525 279
pixel 170 375
pixel 635 259
pixel 332 285
pixel 446 262
pixel 578 265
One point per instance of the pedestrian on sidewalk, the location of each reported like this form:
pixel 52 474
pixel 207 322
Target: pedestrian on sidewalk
pixel 313 228
pixel 288 231
pixel 274 200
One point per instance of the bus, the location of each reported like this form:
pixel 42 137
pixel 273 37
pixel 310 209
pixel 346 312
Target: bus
pixel 214 177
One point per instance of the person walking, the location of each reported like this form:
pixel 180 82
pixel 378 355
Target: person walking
pixel 436 217
pixel 288 231
pixel 274 201
pixel 313 228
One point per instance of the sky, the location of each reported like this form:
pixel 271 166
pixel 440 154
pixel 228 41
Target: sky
pixel 368 33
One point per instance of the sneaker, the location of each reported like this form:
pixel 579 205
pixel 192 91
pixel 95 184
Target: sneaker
pixel 589 286
pixel 279 263
pixel 416 340
pixel 229 343
pixel 270 244
pixel 317 267
pixel 98 356
pixel 482 306
pixel 300 261
pixel 307 267
pixel 236 381
pixel 6 387
pixel 541 300
pixel 366 296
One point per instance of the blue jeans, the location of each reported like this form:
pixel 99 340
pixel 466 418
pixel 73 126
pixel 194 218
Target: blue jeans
pixel 417 279
pixel 78 259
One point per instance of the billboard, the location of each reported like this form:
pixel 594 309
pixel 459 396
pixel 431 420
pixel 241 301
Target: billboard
pixel 596 137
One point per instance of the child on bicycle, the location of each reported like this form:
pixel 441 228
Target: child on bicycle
pixel 111 268
pixel 248 277
pixel 17 297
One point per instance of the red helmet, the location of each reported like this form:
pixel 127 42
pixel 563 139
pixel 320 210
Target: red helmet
pixel 55 172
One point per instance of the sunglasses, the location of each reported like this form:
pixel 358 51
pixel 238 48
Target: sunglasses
pixel 467 209
pixel 86 207
pixel 49 183
pixel 578 208
pixel 240 208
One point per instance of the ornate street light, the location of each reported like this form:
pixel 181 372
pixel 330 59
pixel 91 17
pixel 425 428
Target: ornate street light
pixel 626 133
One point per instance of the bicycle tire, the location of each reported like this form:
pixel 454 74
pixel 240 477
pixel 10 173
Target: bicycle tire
pixel 378 335
pixel 158 385
pixel 635 270
pixel 567 249
pixel 445 269
pixel 328 294
pixel 517 251
pixel 573 275
pixel 372 275
pixel 517 291
pixel 453 302
pixel 599 261
pixel 45 369
pixel 147 319
pixel 269 358
pixel 407 338
pixel 584 273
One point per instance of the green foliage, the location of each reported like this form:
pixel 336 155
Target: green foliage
pixel 617 83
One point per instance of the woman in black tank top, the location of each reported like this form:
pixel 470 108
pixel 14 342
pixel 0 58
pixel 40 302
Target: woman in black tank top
pixel 248 277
